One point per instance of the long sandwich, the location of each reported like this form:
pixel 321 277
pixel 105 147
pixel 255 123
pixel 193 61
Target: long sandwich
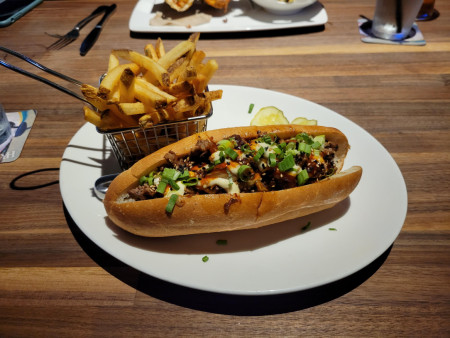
pixel 232 179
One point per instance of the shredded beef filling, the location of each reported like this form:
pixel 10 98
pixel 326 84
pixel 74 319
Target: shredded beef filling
pixel 263 178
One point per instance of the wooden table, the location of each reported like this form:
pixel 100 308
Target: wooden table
pixel 55 282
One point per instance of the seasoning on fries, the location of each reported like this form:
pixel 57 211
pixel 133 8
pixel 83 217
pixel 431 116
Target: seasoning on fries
pixel 153 87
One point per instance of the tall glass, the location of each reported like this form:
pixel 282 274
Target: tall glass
pixel 393 19
pixel 427 11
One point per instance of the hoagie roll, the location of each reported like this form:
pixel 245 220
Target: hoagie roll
pixel 232 179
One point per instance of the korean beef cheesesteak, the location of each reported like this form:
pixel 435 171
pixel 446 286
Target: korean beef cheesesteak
pixel 234 178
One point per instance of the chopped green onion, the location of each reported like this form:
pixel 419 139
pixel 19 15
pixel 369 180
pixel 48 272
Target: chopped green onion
pixel 287 163
pixel 147 179
pixel 246 148
pixel 259 153
pixel 272 160
pixel 244 173
pixel 170 173
pixel 221 242
pixel 143 180
pixel 171 204
pixel 332 229
pixel 224 144
pixel 317 152
pixel 174 184
pixel 191 181
pixel 304 148
pixel 205 259
pixel 266 139
pixel 290 146
pixel 320 139
pixel 305 137
pixel 306 226
pixel 282 145
pixel 184 175
pixel 161 186
pixel 278 150
pixel 316 145
pixel 250 108
pixel 231 153
pixel 302 177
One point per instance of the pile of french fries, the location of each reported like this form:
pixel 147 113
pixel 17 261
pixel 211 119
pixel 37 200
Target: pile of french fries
pixel 151 88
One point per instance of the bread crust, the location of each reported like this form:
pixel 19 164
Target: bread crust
pixel 207 213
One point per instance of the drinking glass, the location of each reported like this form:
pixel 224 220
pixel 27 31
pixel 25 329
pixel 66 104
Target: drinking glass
pixel 393 19
pixel 427 11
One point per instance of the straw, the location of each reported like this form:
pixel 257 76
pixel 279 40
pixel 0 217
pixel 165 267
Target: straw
pixel 398 15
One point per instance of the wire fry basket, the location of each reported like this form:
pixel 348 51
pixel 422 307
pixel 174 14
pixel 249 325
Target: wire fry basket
pixel 131 144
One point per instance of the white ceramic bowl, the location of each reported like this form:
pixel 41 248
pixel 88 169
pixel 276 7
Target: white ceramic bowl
pixel 283 8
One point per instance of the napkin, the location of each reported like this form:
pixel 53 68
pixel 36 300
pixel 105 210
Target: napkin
pixel 22 122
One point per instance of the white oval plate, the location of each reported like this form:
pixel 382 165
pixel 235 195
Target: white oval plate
pixel 276 259
pixel 242 16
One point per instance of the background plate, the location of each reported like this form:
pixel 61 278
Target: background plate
pixel 276 259
pixel 242 16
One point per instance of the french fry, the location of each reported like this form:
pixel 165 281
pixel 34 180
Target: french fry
pixel 159 47
pixel 91 94
pixel 156 90
pixel 135 108
pixel 186 104
pixel 113 62
pixel 92 116
pixel 123 120
pixel 126 86
pixel 197 58
pixel 208 70
pixel 214 95
pixel 111 80
pixel 175 53
pixel 154 69
pixel 145 95
pixel 114 97
pixel 150 51
pixel 194 37
pixel 181 89
pixel 145 121
pixel 177 69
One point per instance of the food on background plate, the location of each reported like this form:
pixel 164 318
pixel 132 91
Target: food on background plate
pixel 231 179
pixel 189 21
pixel 180 5
pixel 152 87
pixel 273 116
pixel 184 5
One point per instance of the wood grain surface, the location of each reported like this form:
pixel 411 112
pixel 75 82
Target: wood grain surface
pixel 55 282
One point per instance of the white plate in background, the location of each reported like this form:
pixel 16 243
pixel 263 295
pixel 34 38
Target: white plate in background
pixel 242 16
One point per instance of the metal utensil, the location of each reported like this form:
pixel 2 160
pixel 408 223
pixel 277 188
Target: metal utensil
pixel 92 37
pixel 42 79
pixel 64 40
pixel 101 185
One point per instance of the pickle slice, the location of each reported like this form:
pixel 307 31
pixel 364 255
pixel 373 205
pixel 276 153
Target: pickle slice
pixel 304 121
pixel 269 116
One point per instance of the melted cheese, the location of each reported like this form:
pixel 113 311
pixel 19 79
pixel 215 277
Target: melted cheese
pixel 224 183
pixel 169 191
